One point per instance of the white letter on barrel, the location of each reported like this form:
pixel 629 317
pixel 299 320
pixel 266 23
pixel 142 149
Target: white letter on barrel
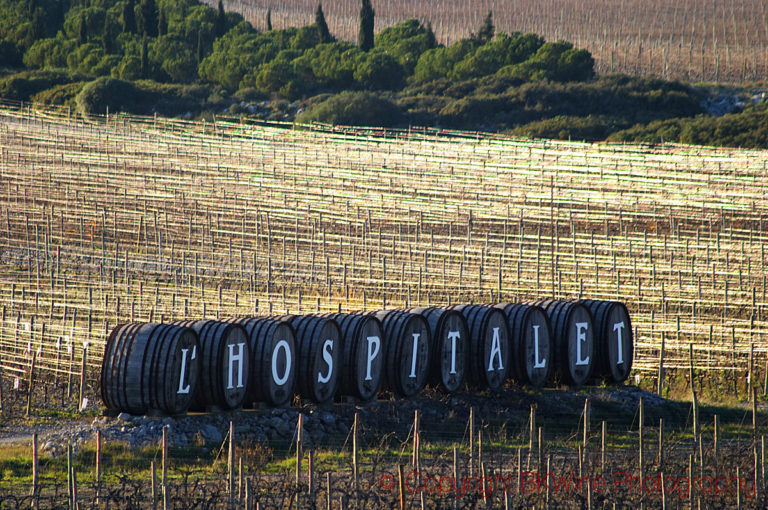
pixel 182 376
pixel 372 340
pixel 415 350
pixel 239 358
pixel 453 336
pixel 536 362
pixel 328 358
pixel 581 336
pixel 282 344
pixel 495 351
pixel 619 327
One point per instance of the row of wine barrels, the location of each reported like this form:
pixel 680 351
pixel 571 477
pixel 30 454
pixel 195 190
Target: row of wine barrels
pixel 450 343
pixel 225 359
pixel 406 367
pixel 207 364
pixel 530 343
pixel 150 367
pixel 362 354
pixel 488 355
pixel 318 344
pixel 272 343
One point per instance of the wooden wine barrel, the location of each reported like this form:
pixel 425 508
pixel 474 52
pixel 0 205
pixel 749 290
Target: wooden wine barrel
pixel 614 343
pixel 488 357
pixel 225 359
pixel 318 342
pixel 573 339
pixel 272 343
pixel 150 368
pixel 530 343
pixel 363 347
pixel 450 342
pixel 406 368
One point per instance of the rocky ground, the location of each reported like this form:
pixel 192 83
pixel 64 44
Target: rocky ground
pixel 442 416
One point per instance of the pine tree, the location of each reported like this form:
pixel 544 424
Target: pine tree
pixel 365 37
pixel 486 31
pixel 322 26
pixel 82 33
pixel 269 19
pixel 129 17
pixel 162 23
pixel 221 20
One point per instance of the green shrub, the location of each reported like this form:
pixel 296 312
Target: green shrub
pixel 353 109
pixel 379 71
pixel 104 92
pixel 63 95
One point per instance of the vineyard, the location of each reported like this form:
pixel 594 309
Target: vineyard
pixel 113 219
pixel 712 41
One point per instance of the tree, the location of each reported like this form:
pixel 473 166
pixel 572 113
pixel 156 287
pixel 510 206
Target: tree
pixel 269 19
pixel 106 35
pixel 148 11
pixel 199 46
pixel 162 23
pixel 129 17
pixel 365 37
pixel 486 31
pixel 322 26
pixel 431 39
pixel 221 20
pixel 144 58
pixel 82 32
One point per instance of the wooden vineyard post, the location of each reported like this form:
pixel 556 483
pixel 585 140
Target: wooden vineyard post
pixel 640 440
pixel 164 474
pixel 585 437
pixel 661 442
pixel 328 489
pixel 716 440
pixel 471 441
pixel 311 473
pixel 31 382
pixel 231 463
pixel 81 399
pixel 299 447
pixel 660 380
pixel 401 485
pixel 602 445
pixel 531 433
pixel 153 474
pixel 35 472
pixel 98 465
pixel 354 454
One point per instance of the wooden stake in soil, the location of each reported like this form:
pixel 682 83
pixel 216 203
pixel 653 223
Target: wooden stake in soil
pixel 401 485
pixel 98 465
pixel 602 446
pixel 164 474
pixel 299 447
pixel 81 397
pixel 471 441
pixel 231 463
pixel 35 473
pixel 328 489
pixel 311 473
pixel 31 382
pixel 153 474
pixel 354 453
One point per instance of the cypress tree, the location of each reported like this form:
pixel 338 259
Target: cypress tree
pixel 221 20
pixel 322 26
pixel 82 33
pixel 199 45
pixel 129 17
pixel 144 58
pixel 365 37
pixel 106 36
pixel 269 19
pixel 148 10
pixel 431 39
pixel 487 30
pixel 162 24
